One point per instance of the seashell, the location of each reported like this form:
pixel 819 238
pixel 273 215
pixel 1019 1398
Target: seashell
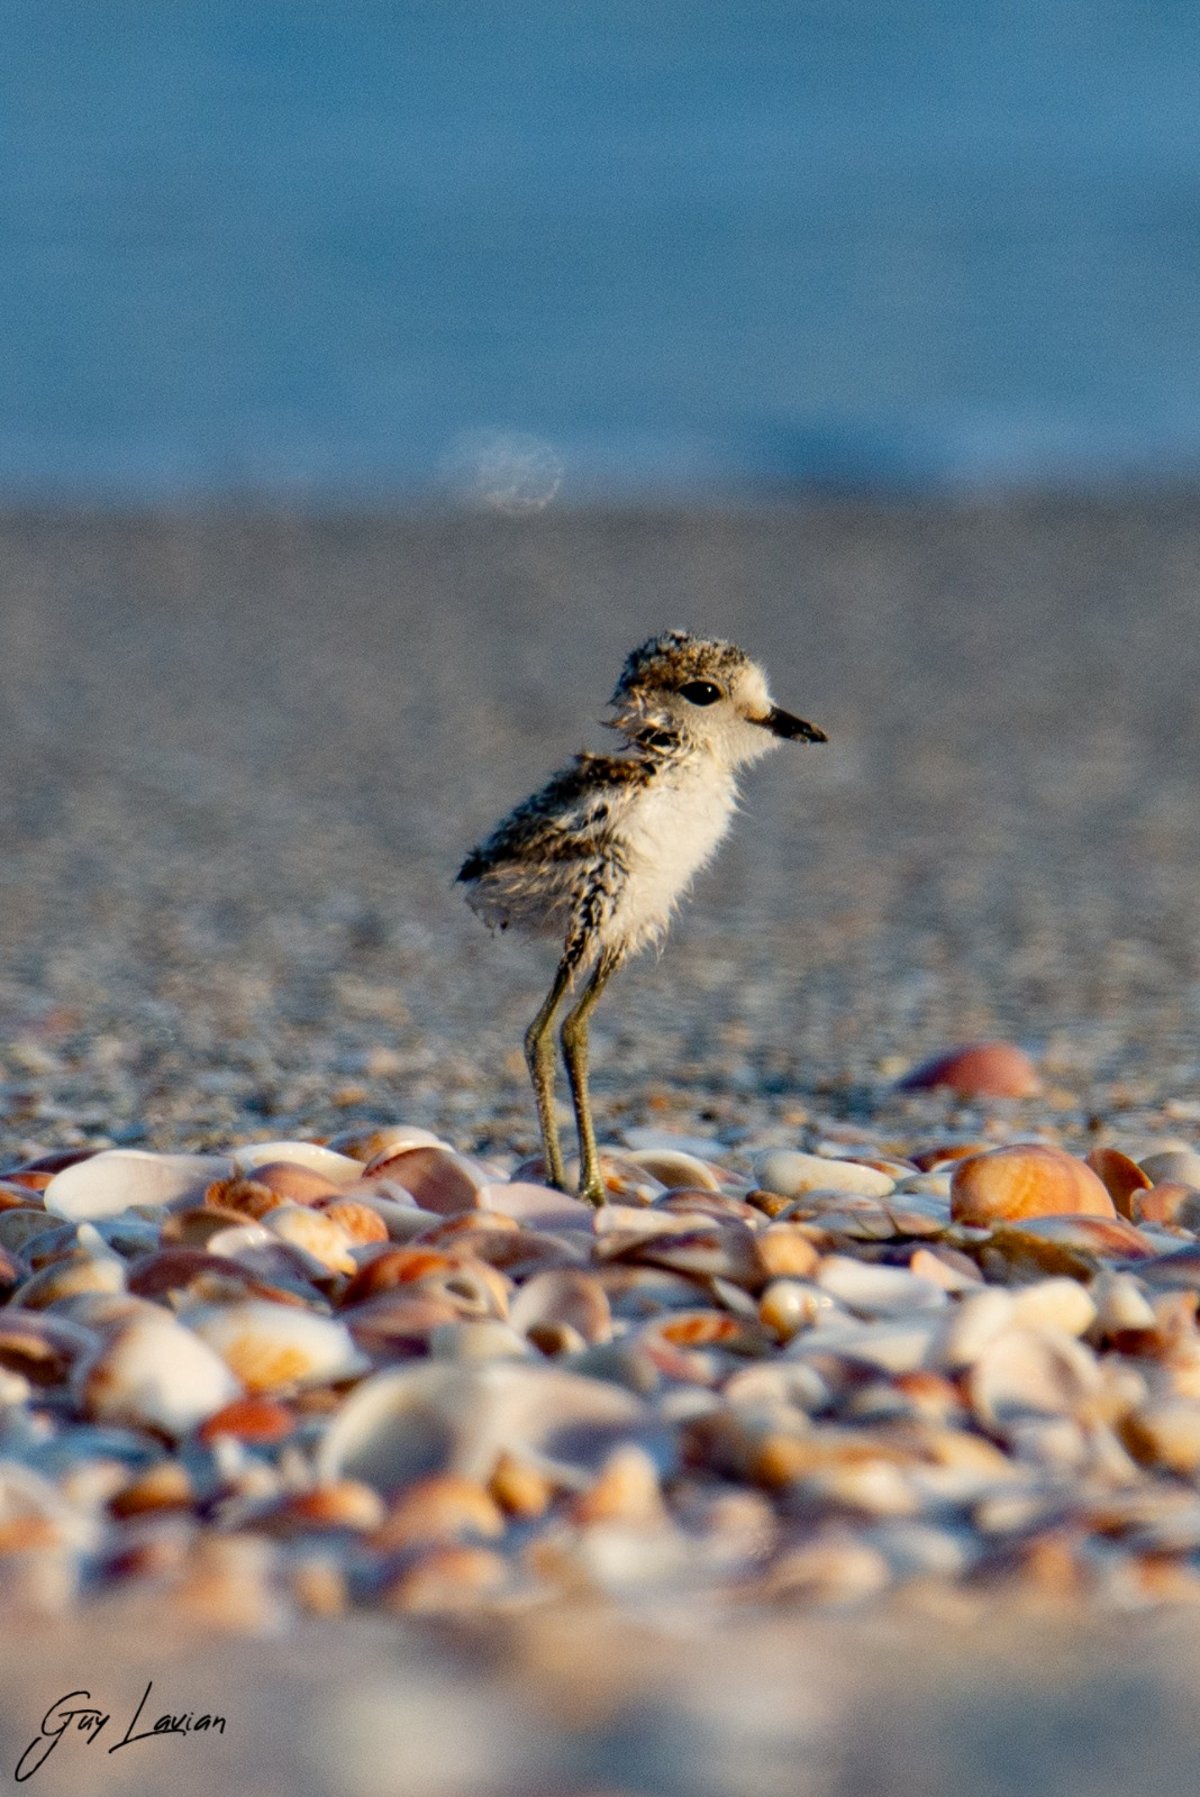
pixel 945 1267
pixel 50 1164
pixel 918 1213
pixel 627 1490
pixel 398 1323
pixel 1120 1176
pixel 1032 1372
pixel 89 1268
pixel 296 1184
pixel 687 1201
pixel 625 1182
pixel 263 1256
pixel 786 1252
pixel 397 1209
pixel 341 1506
pixel 673 1168
pixel 1165 1434
pixel 1072 1245
pixel 928 1185
pixel 944 1155
pixel 635 1292
pixel 1179 1270
pixel 1181 1165
pixel 163 1486
pixel 832 1568
pixel 437 1178
pixel 316 1234
pixel 521 1490
pixel 403 1425
pixel 1121 1305
pixel 980 1070
pixel 791 1174
pixel 473 1288
pixel 874 1290
pixel 1168 1203
pixel 117 1178
pixel 275 1347
pixel 535 1207
pixel 563 1295
pixel 175 1269
pixel 1054 1304
pixel 153 1372
pixel 361 1222
pixel 974 1325
pixel 789 1305
pixel 724 1250
pixel 367 1145
pixel 339 1169
pixel 892 1345
pixel 443 1508
pixel 447 1579
pixel 1029 1179
pixel 478 1338
pixel 242 1197
pixel 20 1226
pixel 255 1418
pixel 42 1348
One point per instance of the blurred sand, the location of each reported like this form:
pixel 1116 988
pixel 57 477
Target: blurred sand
pixel 243 755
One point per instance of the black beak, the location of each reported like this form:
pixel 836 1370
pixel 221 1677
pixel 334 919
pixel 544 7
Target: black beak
pixel 792 730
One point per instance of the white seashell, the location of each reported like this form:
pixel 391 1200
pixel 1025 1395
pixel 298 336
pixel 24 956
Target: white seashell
pixel 874 1290
pixel 274 1347
pixel 117 1178
pixel 1121 1304
pixel 339 1169
pixel 972 1326
pixel 1181 1165
pixel 365 1145
pixel 399 1426
pixel 320 1237
pixel 1054 1304
pixel 674 1167
pixel 789 1305
pixel 790 1173
pixel 537 1207
pixel 900 1345
pixel 1032 1372
pixel 565 1295
pixel 154 1372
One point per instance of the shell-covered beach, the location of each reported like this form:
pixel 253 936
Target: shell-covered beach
pixel 296 1344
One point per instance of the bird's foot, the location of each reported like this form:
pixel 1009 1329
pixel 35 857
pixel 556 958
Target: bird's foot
pixel 592 1192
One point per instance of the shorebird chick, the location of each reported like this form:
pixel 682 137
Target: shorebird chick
pixel 603 853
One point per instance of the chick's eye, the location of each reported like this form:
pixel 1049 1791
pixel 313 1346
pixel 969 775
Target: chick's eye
pixel 700 692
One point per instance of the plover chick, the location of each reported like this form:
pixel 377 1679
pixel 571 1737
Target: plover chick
pixel 603 852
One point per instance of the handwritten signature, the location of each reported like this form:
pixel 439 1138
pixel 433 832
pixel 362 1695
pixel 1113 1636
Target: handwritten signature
pixel 88 1719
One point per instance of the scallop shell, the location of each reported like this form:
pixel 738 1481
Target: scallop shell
pixel 438 1179
pixel 674 1168
pixel 1029 1179
pixel 114 1180
pixel 315 1233
pixel 367 1145
pixel 563 1295
pixel 276 1347
pixel 404 1425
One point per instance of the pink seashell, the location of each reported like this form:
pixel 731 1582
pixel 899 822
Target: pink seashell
pixel 980 1070
pixel 437 1178
pixel 538 1207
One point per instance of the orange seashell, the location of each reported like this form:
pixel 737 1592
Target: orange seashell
pixel 253 1418
pixel 360 1222
pixel 394 1266
pixel 1029 1179
pixel 342 1504
pixel 944 1154
pixel 165 1486
pixel 979 1070
pixel 242 1197
pixel 1121 1177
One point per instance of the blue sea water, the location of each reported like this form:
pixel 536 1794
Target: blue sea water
pixel 602 246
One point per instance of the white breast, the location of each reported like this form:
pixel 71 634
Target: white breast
pixel 671 828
